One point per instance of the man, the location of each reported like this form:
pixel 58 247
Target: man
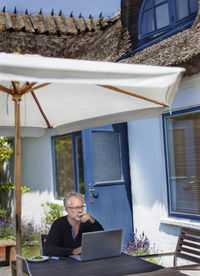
pixel 65 235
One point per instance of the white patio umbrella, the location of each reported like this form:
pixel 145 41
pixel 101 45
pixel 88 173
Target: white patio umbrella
pixel 71 95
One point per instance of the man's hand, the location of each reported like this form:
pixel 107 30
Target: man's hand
pixel 86 217
pixel 77 251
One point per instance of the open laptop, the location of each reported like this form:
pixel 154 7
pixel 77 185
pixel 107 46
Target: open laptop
pixel 100 244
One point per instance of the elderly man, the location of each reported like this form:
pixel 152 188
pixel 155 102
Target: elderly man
pixel 65 235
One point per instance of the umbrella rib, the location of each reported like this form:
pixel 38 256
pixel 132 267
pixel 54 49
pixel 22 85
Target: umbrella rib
pixel 16 87
pixel 27 86
pixel 37 87
pixel 41 110
pixel 132 94
pixel 5 89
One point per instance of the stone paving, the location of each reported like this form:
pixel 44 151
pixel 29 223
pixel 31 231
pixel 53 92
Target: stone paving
pixel 5 271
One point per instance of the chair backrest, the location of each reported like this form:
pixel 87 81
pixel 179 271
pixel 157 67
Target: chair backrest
pixel 42 240
pixel 188 246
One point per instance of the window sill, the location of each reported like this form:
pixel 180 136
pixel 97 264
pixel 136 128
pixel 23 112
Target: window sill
pixel 180 222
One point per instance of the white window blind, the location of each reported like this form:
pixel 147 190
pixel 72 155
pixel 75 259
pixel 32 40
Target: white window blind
pixel 183 155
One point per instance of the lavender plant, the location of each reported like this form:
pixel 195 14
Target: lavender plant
pixel 138 245
pixel 30 232
pixel 7 229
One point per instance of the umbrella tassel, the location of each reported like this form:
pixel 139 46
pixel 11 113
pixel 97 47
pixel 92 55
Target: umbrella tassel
pixel 7 104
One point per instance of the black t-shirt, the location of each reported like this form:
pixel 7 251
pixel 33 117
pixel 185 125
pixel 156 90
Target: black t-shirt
pixel 60 241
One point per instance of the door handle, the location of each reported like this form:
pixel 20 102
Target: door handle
pixel 91 193
pixel 91 190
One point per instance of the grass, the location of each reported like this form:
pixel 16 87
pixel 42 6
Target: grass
pixel 151 260
pixel 148 259
pixel 30 251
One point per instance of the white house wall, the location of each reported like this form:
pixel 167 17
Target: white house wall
pixel 37 174
pixel 148 177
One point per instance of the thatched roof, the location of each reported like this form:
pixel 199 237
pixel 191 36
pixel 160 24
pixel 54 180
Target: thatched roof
pixel 104 45
pixel 181 49
pixel 52 24
pixel 107 41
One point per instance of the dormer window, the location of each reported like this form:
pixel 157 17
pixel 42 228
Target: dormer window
pixel 158 17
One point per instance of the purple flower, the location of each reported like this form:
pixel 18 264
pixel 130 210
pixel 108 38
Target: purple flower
pixel 137 245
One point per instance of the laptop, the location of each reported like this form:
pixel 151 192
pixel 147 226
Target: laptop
pixel 100 244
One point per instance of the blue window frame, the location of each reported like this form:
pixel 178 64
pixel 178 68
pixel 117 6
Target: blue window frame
pixel 182 153
pixel 68 164
pixel 157 17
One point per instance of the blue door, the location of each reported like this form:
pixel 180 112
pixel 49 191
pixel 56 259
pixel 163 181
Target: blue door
pixel 106 177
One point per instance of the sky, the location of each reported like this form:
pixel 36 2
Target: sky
pixel 85 7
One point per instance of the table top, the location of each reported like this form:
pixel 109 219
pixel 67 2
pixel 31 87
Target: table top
pixel 116 266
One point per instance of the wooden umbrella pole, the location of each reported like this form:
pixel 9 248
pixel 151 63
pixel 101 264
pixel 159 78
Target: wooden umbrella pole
pixel 18 184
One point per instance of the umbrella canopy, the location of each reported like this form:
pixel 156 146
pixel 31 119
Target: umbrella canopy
pixel 71 95
pixel 82 94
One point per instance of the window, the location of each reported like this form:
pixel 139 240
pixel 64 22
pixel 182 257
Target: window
pixel 68 164
pixel 106 155
pixel 160 16
pixel 182 147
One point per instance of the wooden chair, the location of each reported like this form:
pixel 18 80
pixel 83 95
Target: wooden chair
pixel 42 240
pixel 188 248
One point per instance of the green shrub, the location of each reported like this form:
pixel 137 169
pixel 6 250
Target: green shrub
pixel 52 211
pixel 4 214
pixel 6 149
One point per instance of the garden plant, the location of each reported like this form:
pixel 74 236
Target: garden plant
pixel 138 245
pixel 52 211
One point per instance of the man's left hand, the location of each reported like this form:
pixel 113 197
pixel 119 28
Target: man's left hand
pixel 86 217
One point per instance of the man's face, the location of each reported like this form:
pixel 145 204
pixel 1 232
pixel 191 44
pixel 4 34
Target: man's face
pixel 75 208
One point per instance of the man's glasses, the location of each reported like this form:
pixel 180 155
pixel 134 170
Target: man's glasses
pixel 77 207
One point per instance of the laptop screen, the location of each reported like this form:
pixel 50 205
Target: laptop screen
pixel 101 244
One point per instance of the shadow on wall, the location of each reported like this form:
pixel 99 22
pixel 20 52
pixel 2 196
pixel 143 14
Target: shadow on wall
pixel 37 166
pixel 147 162
pixel 171 230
